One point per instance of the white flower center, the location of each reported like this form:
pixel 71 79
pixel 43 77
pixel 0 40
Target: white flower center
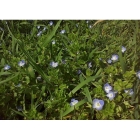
pixel 74 103
pixel 107 88
pixel 110 95
pixel 98 104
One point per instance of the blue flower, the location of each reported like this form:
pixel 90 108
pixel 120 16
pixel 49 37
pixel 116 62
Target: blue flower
pixel 53 42
pixel 44 28
pixel 110 95
pixel 98 104
pixel 7 67
pixel 77 25
pixel 114 57
pixel 77 52
pixel 107 88
pixel 21 63
pixel 123 49
pixel 63 31
pixel 1 29
pixel 129 91
pixel 138 74
pixel 90 26
pixel 39 78
pixel 19 108
pixel 73 102
pixel 9 52
pixel 54 64
pixel 64 61
pixel 39 33
pixel 19 85
pixel 38 27
pixel 79 72
pixel 109 61
pixel 51 23
pixel 89 64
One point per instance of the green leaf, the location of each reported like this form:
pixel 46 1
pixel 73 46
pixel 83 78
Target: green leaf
pixel 89 72
pixel 122 60
pixel 136 114
pixel 19 113
pixel 49 36
pixel 87 93
pixel 5 73
pixel 2 61
pixel 72 108
pixel 34 29
pixel 31 71
pixel 10 78
pixel 119 98
pixel 89 79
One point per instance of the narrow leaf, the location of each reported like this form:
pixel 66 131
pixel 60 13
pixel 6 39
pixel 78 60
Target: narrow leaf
pixel 72 108
pixel 49 36
pixel 89 79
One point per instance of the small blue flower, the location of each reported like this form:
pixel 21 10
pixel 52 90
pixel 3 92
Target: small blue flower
pixel 98 104
pixel 129 91
pixel 123 49
pixel 39 78
pixel 21 63
pixel 114 57
pixel 79 72
pixel 54 64
pixel 73 102
pixel 39 33
pixel 77 52
pixel 109 61
pixel 51 23
pixel 44 28
pixel 7 67
pixel 64 61
pixel 77 25
pixel 63 31
pixel 19 108
pixel 138 74
pixel 1 29
pixel 90 26
pixel 110 95
pixel 126 90
pixel 19 85
pixel 9 52
pixel 38 27
pixel 107 88
pixel 53 42
pixel 89 64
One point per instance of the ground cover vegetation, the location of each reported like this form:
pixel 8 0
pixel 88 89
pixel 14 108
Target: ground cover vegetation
pixel 69 69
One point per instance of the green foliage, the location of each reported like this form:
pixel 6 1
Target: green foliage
pixel 39 91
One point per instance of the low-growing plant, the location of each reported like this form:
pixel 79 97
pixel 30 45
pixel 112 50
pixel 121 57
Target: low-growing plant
pixel 69 70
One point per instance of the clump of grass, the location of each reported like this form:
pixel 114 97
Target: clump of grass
pixel 63 69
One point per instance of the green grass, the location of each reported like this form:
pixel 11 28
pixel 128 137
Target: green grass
pixel 50 97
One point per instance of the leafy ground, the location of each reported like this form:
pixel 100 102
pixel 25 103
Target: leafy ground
pixel 51 63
